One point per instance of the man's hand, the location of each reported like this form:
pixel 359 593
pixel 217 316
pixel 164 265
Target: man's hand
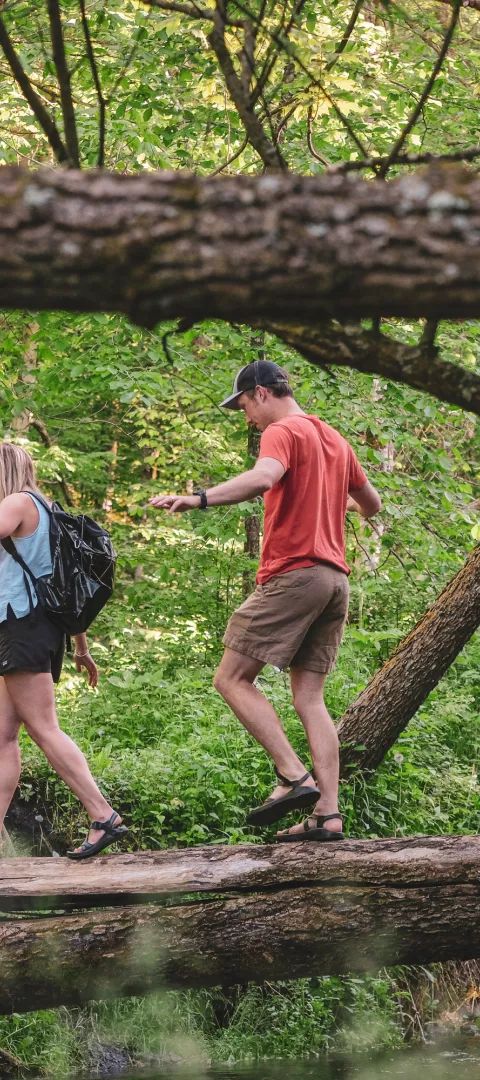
pixel 175 504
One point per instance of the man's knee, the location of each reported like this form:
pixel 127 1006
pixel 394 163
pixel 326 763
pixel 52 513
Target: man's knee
pixel 305 700
pixel 219 681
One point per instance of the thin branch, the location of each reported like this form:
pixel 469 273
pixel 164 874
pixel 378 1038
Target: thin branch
pixel 282 32
pixel 419 366
pixel 313 151
pixel 41 114
pixel 47 440
pixel 464 3
pixel 291 52
pixel 231 159
pixel 457 4
pixel 63 75
pixel 266 149
pixel 194 11
pixel 102 105
pixel 347 35
pixel 284 121
pixel 247 56
pixel 408 159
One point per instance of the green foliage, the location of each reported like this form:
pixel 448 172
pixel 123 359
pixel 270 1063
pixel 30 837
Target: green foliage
pixel 127 417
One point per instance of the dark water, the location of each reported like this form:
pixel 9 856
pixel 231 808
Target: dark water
pixel 459 1061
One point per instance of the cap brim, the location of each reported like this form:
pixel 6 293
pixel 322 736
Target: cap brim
pixel 232 401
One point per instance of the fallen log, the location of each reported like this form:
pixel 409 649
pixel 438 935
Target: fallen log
pixel 251 913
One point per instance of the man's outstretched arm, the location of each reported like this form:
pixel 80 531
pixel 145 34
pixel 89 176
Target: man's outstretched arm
pixel 256 481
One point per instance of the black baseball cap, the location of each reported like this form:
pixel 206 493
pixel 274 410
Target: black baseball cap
pixel 260 373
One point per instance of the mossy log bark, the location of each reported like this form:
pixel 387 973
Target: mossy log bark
pixel 267 912
pixel 378 716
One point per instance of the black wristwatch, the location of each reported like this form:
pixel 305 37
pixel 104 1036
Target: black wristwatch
pixel 203 498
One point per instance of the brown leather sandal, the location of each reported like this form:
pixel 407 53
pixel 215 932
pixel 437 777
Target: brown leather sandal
pixel 111 833
pixel 299 798
pixel 311 832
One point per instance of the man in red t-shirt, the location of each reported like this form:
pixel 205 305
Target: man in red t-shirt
pixel 309 477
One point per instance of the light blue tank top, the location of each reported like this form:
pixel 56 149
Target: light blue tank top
pixel 35 550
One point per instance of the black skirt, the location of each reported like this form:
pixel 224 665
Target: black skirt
pixel 32 643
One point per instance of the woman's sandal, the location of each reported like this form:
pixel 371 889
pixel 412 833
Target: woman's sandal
pixel 111 833
pixel 313 833
pixel 299 798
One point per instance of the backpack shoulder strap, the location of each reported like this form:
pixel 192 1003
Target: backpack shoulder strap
pixel 9 546
pixel 39 498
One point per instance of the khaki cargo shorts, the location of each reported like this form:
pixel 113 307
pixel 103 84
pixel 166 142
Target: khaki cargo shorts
pixel 294 620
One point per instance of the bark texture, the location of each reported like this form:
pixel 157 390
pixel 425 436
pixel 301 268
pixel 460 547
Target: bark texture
pixel 156 246
pixel 282 913
pixel 376 718
pixel 330 344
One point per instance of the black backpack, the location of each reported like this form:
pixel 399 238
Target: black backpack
pixel 83 569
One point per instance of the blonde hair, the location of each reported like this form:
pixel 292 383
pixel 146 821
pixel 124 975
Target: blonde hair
pixel 17 470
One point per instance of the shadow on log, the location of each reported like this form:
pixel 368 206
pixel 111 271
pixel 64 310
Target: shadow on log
pixel 240 914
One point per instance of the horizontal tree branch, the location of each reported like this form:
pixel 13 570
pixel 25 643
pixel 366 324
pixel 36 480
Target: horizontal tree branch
pixel 331 344
pixel 469 154
pixel 164 245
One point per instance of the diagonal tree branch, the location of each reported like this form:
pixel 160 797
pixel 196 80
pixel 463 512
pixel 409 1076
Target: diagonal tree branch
pixel 288 49
pixel 373 722
pixel 265 147
pixel 40 113
pixel 347 35
pixel 414 115
pixel 331 344
pixel 102 105
pixel 63 76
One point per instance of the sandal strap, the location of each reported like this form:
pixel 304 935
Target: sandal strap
pixel 291 783
pixel 322 818
pixel 106 826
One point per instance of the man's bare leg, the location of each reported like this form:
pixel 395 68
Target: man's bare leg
pixel 234 680
pixel 307 693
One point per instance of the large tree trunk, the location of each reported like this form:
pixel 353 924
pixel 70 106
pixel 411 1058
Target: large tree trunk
pixel 275 913
pixel 375 719
pixel 156 246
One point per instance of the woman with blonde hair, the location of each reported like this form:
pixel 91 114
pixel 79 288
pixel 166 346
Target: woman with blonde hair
pixel 31 654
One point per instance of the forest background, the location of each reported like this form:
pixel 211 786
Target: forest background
pixel 113 413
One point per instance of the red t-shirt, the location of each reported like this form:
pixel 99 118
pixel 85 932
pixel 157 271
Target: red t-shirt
pixel 305 512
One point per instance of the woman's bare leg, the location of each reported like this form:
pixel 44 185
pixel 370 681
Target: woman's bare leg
pixel 32 695
pixel 10 763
